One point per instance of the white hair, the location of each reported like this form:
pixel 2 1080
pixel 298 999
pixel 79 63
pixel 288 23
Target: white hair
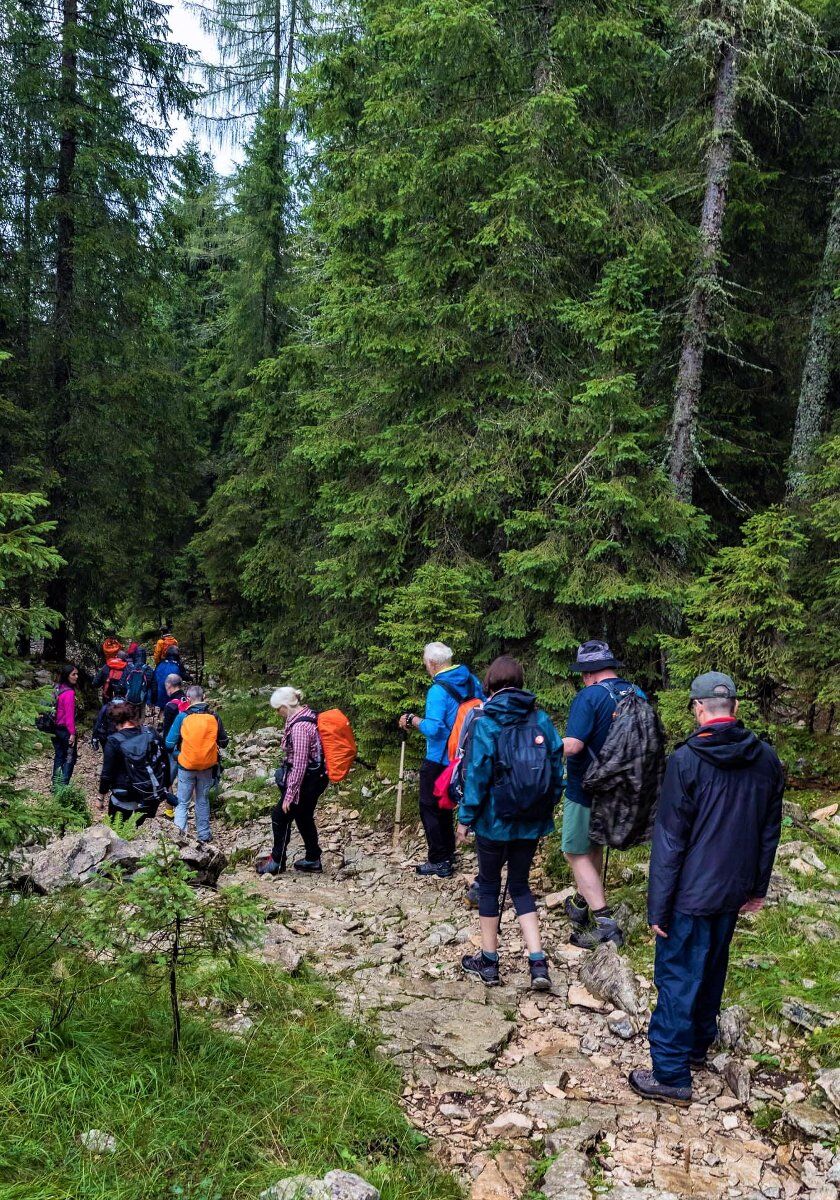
pixel 286 697
pixel 437 653
pixel 195 693
pixel 173 681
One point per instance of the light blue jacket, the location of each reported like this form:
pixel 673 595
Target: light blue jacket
pixel 442 709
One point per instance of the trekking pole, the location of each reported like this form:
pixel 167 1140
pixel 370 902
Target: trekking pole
pixel 395 845
pixel 502 903
pixel 606 867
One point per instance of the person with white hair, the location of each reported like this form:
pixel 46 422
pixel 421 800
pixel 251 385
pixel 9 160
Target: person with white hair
pixel 302 780
pixel 452 686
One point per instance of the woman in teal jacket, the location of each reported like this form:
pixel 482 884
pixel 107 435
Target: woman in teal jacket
pixel 506 820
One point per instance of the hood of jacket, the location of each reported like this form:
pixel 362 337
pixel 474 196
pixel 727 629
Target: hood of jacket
pixel 728 745
pixel 172 655
pixel 459 677
pixel 510 706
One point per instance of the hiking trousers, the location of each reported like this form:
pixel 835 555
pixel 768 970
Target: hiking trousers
pixel 64 757
pixel 198 783
pixel 301 814
pixel 438 823
pixel 689 973
pixel 492 856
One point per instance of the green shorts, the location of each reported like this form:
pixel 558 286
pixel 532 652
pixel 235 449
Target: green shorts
pixel 575 835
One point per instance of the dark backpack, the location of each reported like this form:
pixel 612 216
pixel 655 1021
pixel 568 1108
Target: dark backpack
pixel 136 681
pixel 45 721
pixel 522 784
pixel 146 765
pixel 625 779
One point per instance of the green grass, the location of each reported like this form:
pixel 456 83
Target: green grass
pixel 243 713
pixel 303 1092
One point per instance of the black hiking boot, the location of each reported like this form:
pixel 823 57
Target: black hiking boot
pixel 577 910
pixel 603 929
pixel 270 867
pixel 443 869
pixel 540 978
pixel 482 968
pixel 472 894
pixel 645 1083
pixel 309 866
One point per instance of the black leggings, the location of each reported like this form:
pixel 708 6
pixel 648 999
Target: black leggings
pixel 303 815
pixel 492 856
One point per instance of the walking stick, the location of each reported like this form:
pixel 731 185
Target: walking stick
pixel 606 866
pixel 502 903
pixel 395 845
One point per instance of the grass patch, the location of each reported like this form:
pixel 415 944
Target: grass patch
pixel 244 712
pixel 303 1092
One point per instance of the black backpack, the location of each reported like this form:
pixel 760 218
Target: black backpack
pixel 522 783
pixel 146 765
pixel 136 680
pixel 625 779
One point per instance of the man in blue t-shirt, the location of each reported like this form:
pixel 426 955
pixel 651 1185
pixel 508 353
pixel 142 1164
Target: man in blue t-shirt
pixel 590 716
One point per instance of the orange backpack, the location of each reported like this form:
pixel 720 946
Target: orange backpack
pixel 161 646
pixel 337 743
pixel 116 668
pixel 111 647
pixel 199 741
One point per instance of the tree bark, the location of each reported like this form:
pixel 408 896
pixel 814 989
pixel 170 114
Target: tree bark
pixel 682 449
pixel 270 325
pixel 174 957
pixel 821 360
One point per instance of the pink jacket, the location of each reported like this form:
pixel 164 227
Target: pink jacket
pixel 65 710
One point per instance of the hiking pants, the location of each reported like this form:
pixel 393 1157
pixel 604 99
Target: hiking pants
pixel 689 972
pixel 200 783
pixel 492 856
pixel 64 756
pixel 301 814
pixel 438 823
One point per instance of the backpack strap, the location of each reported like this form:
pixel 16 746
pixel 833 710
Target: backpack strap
pixel 453 693
pixel 617 693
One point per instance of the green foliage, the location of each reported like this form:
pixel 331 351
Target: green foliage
pixel 224 1118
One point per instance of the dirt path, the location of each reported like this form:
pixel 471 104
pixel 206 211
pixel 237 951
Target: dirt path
pixel 499 1078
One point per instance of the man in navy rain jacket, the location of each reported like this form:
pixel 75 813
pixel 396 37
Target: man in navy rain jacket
pixel 451 686
pixel 716 833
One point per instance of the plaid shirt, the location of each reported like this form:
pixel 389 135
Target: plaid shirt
pixel 301 746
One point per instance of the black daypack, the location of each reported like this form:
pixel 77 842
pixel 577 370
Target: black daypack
pixel 136 680
pixel 522 785
pixel 625 779
pixel 146 765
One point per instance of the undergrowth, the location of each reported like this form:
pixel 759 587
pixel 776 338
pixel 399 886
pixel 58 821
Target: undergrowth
pixel 303 1092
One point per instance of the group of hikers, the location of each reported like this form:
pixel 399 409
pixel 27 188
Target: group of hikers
pixel 713 812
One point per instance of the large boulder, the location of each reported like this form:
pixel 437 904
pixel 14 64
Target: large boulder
pixel 77 858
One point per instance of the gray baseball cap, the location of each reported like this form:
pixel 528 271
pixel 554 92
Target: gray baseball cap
pixel 713 685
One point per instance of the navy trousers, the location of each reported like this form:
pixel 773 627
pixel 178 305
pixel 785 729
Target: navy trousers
pixel 689 973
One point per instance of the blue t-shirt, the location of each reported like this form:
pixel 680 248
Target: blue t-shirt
pixel 590 717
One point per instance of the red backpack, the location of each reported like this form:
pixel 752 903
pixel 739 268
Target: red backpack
pixel 116 667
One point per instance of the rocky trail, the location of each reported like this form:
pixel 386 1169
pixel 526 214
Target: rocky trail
pixel 501 1080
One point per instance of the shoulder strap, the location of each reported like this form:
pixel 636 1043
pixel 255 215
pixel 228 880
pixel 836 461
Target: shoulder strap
pixel 617 693
pixel 453 693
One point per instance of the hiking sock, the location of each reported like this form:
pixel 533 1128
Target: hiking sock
pixel 491 955
pixel 579 901
pixel 606 911
pixel 536 955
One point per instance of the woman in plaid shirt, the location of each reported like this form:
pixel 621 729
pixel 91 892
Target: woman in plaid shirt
pixel 305 781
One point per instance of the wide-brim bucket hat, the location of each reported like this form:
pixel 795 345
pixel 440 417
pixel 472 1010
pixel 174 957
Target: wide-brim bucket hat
pixel 595 656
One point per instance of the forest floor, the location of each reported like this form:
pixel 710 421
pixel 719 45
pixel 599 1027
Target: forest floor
pixel 525 1095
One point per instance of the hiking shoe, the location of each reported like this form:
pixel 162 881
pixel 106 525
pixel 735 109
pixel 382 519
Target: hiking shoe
pixel 270 867
pixel 442 869
pixel 540 978
pixel 168 811
pixel 577 910
pixel 603 929
pixel 309 866
pixel 482 968
pixel 645 1084
pixel 472 894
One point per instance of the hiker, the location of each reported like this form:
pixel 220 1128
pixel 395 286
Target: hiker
pixel 135 768
pixel 198 734
pixel 453 688
pixel 513 778
pixel 137 654
pixel 110 674
pixel 176 703
pixel 64 739
pixel 104 725
pixel 165 642
pixel 302 780
pixel 590 717
pixel 170 664
pixel 137 684
pixel 715 838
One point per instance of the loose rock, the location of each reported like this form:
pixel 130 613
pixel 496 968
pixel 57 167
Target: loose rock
pixel 606 974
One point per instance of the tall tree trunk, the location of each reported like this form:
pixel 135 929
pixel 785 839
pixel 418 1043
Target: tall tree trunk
pixel 821 359
pixel 271 278
pixel 277 54
pixel 55 645
pixel 682 451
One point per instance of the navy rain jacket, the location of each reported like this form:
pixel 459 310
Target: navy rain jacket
pixel 717 826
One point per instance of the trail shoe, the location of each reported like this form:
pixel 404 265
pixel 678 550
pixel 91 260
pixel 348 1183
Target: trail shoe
pixel 168 812
pixel 577 910
pixel 310 866
pixel 482 968
pixel 603 929
pixel 270 867
pixel 443 869
pixel 472 894
pixel 540 978
pixel 645 1083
